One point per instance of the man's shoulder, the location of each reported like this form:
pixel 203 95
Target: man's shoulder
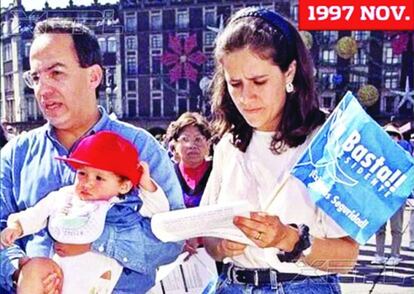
pixel 26 139
pixel 131 132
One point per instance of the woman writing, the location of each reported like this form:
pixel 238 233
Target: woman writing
pixel 266 107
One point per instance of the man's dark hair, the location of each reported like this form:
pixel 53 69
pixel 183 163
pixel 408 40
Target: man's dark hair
pixel 84 40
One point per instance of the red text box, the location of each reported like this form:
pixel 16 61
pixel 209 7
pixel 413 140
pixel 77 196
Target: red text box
pixel 356 15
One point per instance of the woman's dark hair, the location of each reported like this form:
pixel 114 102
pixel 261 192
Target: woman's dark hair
pixel 84 40
pixel 271 37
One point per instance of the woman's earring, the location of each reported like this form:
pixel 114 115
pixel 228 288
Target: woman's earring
pixel 289 88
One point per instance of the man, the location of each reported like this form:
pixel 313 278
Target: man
pixel 65 74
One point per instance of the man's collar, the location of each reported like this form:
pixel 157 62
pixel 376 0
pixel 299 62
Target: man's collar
pixel 99 125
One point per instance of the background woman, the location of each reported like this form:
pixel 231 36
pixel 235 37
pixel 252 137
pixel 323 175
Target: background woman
pixel 189 138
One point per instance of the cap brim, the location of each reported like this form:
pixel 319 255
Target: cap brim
pixel 75 163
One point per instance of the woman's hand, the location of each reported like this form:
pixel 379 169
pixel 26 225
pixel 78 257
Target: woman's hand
pixel 267 231
pixel 231 248
pixel 221 248
pixel 71 249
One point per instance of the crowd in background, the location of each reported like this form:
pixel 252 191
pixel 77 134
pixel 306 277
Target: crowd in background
pixel 266 112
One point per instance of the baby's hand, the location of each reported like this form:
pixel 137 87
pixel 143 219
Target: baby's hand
pixel 146 181
pixel 9 235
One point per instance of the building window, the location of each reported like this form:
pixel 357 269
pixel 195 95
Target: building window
pixel 328 37
pixel 131 65
pixel 183 85
pixel 131 85
pixel 327 80
pixel 33 112
pixel 156 20
pixel 156 41
pixel 10 109
pixel 102 44
pixel 391 80
pixel 358 79
pixel 156 64
pixel 210 16
pixel 389 56
pixel 360 58
pixel 209 38
pixel 182 102
pixel 4 29
pixel 130 23
pixel 360 35
pixel 327 102
pixel 182 19
pixel 294 12
pixel 156 84
pixel 8 82
pixel 112 44
pixel 131 43
pixel 156 103
pixel 328 56
pixel 236 7
pixel 268 6
pixel 209 64
pixel 27 46
pixel 132 106
pixel 7 52
pixel 390 104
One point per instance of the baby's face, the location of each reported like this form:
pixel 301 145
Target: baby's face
pixel 97 184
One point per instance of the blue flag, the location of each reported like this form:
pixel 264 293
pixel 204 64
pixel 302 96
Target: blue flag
pixel 355 172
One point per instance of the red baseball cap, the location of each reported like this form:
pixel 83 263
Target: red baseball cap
pixel 108 151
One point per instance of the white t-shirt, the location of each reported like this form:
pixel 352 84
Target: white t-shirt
pixel 254 176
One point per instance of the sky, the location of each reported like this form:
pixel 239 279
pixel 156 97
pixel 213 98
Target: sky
pixel 38 4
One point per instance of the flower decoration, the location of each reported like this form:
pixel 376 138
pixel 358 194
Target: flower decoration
pixel 183 57
pixel 399 41
pixel 368 95
pixel 346 47
pixel 307 39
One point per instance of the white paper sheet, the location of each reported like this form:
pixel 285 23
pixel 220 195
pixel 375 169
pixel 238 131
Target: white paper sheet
pixel 190 276
pixel 204 221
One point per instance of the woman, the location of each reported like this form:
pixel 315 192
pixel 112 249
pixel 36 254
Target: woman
pixel 189 137
pixel 265 105
pixel 189 140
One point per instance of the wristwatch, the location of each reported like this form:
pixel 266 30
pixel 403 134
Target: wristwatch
pixel 302 247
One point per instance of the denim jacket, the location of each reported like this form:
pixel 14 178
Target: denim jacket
pixel 29 171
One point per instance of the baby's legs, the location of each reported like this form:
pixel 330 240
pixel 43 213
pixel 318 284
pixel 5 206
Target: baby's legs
pixel 39 275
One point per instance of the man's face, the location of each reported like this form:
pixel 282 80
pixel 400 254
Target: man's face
pixel 64 90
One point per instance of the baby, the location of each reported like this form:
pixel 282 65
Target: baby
pixel 107 167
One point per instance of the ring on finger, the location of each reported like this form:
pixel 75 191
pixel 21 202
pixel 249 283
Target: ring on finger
pixel 258 236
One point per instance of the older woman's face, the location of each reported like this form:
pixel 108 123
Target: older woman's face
pixel 257 87
pixel 191 146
